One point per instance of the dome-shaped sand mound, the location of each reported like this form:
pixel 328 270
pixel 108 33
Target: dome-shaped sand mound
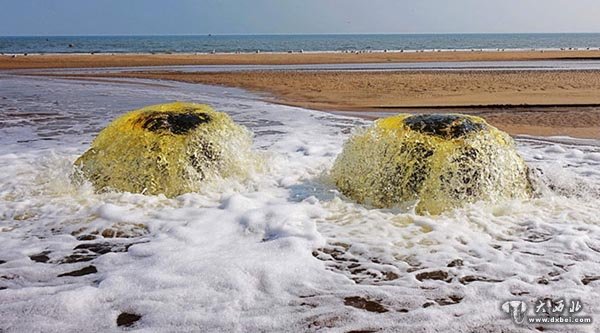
pixel 437 161
pixel 167 148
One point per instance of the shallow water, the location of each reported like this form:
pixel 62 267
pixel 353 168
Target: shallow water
pixel 538 65
pixel 281 251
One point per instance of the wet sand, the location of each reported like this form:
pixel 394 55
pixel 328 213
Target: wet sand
pixel 541 103
pixel 130 60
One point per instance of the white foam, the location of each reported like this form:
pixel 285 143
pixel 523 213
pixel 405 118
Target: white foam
pixel 239 256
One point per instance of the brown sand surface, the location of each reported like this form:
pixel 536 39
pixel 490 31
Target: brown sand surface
pixel 128 60
pixel 520 102
pixel 543 103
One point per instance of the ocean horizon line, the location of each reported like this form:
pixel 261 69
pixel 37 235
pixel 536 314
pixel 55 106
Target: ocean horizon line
pixel 308 34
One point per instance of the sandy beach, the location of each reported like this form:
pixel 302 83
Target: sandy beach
pixel 540 102
pixel 131 60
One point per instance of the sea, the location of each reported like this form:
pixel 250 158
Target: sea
pixel 286 43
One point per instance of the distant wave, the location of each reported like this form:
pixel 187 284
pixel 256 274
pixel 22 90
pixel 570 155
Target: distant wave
pixel 293 43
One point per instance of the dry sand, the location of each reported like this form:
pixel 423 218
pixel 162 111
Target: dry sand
pixel 520 102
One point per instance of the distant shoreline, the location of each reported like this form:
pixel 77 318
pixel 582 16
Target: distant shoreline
pixel 78 60
pixel 299 51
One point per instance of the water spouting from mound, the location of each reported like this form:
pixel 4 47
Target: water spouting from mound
pixel 168 148
pixel 437 162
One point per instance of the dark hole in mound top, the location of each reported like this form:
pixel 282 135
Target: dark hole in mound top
pixel 446 126
pixel 176 123
pixel 127 319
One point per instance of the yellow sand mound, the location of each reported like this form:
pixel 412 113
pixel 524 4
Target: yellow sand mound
pixel 167 148
pixel 435 161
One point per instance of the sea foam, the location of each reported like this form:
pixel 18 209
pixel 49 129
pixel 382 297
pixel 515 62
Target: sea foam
pixel 281 250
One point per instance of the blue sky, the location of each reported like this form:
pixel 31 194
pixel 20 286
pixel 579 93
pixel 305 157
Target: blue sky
pixel 85 17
